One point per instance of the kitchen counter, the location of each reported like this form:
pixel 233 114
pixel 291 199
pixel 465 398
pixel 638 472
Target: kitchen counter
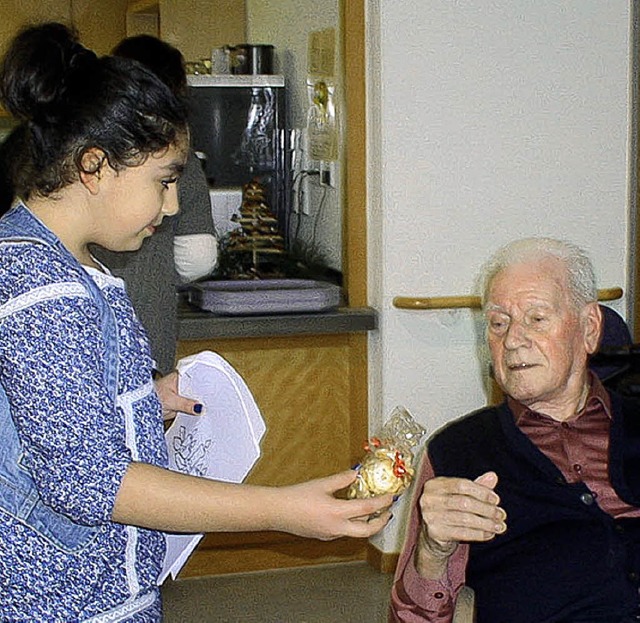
pixel 195 324
pixel 308 374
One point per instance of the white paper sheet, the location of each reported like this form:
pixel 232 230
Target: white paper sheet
pixel 223 443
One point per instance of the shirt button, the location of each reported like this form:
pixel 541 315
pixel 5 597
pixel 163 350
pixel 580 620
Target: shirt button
pixel 577 467
pixel 586 498
pixel 439 595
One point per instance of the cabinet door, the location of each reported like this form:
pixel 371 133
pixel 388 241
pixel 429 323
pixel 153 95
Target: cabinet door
pixel 17 13
pixel 312 393
pixel 101 25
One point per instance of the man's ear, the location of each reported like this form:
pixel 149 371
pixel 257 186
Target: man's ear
pixel 592 327
pixel 92 163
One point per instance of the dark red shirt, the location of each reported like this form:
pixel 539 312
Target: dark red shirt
pixel 579 447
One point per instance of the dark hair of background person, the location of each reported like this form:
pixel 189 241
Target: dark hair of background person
pixel 70 100
pixel 161 58
pixel 11 156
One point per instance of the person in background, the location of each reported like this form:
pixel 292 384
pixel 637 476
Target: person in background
pixel 535 503
pixel 85 493
pixel 184 247
pixel 10 154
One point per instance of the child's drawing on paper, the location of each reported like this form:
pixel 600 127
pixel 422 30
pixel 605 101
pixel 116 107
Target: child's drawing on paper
pixel 191 452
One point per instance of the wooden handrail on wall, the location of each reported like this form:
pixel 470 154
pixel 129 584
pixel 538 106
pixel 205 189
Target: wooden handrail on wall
pixel 473 302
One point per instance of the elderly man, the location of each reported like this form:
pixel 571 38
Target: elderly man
pixel 535 504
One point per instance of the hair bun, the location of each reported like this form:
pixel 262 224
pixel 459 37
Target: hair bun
pixel 41 63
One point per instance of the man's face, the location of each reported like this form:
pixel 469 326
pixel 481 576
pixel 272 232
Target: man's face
pixel 539 342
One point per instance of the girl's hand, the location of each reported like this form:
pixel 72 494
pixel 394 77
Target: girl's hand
pixel 310 509
pixel 172 401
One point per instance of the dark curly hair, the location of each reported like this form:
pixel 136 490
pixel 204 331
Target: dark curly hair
pixel 69 100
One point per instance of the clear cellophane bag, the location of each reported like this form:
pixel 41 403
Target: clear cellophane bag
pixel 388 463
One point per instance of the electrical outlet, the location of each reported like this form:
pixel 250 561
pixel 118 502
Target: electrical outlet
pixel 328 174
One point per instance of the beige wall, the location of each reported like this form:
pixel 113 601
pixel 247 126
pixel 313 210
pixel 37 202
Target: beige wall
pixel 197 26
pixel 101 24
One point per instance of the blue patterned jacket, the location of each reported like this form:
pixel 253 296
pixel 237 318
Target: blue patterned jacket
pixel 18 494
pixel 75 410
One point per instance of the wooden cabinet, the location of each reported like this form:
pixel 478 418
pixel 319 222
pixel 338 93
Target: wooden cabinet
pixel 18 13
pixel 194 27
pixel 312 392
pixel 101 24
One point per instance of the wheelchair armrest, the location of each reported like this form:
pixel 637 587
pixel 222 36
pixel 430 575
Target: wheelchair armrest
pixel 465 606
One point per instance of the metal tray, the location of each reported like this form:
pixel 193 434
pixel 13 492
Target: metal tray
pixel 268 296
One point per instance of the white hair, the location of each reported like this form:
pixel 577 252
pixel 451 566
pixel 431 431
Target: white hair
pixel 579 269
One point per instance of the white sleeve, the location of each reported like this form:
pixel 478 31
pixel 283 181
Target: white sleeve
pixel 195 255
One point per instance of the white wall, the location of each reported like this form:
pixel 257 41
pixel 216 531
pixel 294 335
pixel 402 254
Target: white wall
pixel 488 121
pixel 287 24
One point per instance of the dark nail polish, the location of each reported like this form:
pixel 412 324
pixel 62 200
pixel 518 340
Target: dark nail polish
pixel 197 408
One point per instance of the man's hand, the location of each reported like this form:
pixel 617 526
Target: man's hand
pixel 172 401
pixel 455 510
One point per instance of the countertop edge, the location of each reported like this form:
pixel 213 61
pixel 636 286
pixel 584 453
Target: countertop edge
pixel 202 325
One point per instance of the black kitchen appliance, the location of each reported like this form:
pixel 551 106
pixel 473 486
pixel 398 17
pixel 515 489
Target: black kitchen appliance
pixel 238 126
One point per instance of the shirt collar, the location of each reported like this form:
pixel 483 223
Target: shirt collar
pixel 597 395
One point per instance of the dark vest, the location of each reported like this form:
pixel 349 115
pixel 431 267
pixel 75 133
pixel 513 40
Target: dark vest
pixel 562 559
